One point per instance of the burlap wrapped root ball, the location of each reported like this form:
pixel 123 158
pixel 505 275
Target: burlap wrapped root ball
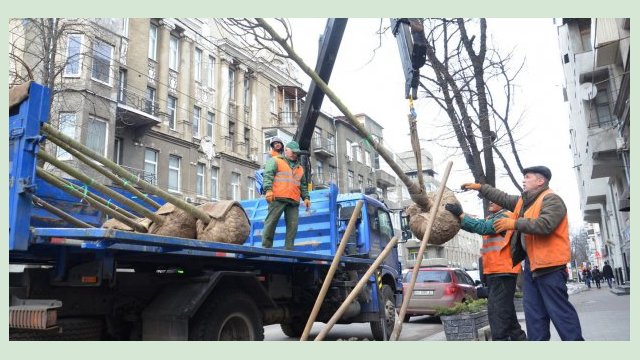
pixel 119 225
pixel 177 223
pixel 445 225
pixel 229 223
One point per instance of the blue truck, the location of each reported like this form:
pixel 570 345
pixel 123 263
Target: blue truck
pixel 71 283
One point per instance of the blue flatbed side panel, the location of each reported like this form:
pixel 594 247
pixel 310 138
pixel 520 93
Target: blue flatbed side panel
pixel 317 227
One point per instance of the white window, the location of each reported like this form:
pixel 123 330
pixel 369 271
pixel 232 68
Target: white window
pixel 211 119
pixel 360 182
pixel 251 188
pixel 349 150
pixel 198 65
pixel 195 126
pixel 247 91
pixel 235 186
pixel 232 84
pixel 101 68
pixel 210 71
pixel 117 150
pixel 171 111
pixel 151 166
pixel 317 137
pixel 214 183
pixel 331 143
pixel 367 158
pixel 74 63
pixel 96 138
pixel 67 126
pixel 272 99
pixel 350 180
pixel 320 171
pixel 153 41
pixel 174 173
pixel 173 53
pixel 200 179
pixel 358 152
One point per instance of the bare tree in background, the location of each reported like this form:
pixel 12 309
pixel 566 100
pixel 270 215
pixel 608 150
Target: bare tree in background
pixel 473 84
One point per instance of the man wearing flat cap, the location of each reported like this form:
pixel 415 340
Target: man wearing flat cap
pixel 285 186
pixel 538 231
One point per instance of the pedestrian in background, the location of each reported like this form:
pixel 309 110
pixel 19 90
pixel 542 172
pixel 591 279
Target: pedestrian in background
pixel 586 276
pixel 538 231
pixel 285 186
pixel 596 276
pixel 497 267
pixel 607 273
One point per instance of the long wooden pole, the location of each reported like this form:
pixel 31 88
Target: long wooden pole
pixel 356 290
pixel 59 213
pixel 395 335
pixel 117 169
pixel 90 182
pixel 102 170
pixel 71 190
pixel 332 270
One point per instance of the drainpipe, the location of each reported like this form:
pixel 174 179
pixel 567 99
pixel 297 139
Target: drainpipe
pixel 335 132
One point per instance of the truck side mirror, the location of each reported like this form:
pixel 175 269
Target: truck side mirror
pixel 404 226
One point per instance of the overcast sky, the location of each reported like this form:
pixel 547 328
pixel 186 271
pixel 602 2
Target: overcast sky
pixel 373 83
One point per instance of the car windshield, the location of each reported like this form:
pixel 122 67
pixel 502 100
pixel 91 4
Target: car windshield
pixel 442 276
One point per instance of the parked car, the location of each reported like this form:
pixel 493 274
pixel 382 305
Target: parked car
pixel 438 287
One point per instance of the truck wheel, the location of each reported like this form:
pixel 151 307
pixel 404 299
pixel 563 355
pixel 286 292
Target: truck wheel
pixel 293 329
pixel 69 329
pixel 389 315
pixel 225 317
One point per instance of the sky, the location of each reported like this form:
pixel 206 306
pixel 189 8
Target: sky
pixel 368 78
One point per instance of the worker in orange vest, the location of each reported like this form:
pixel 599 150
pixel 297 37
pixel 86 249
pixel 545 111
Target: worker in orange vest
pixel 497 267
pixel 538 231
pixel 285 186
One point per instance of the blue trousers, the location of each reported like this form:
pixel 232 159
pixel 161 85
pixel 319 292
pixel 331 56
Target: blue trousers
pixel 546 299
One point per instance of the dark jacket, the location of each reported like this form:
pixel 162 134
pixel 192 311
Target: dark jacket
pixel 607 271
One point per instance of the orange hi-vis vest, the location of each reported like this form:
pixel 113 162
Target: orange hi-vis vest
pixel 286 182
pixel 496 254
pixel 544 250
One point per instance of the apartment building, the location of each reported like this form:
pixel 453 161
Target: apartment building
pixel 595 57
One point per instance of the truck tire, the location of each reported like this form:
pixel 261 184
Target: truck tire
pixel 389 314
pixel 228 316
pixel 293 329
pixel 76 329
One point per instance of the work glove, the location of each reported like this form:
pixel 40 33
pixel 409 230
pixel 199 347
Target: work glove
pixel 454 208
pixel 269 196
pixel 470 186
pixel 307 203
pixel 504 224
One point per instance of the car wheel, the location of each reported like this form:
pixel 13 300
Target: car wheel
pixel 387 298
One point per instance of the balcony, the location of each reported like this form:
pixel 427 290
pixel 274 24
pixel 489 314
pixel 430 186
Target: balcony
pixel 322 180
pixel 288 118
pixel 136 110
pixel 323 147
pixel 141 174
pixel 384 179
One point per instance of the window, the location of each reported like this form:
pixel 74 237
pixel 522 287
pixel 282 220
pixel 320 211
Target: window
pixel 211 119
pixel 195 126
pixel 96 138
pixel 333 171
pixel 122 85
pixel 173 53
pixel 210 69
pixel 174 173
pixel 101 68
pixel 214 182
pixel 247 91
pixel 150 102
pixel 171 111
pixel 200 179
pixel 349 150
pixel 73 65
pixel 235 186
pixel 247 141
pixel 272 99
pixel 151 166
pixel 251 188
pixel 331 143
pixel 367 158
pixel 320 171
pixel 117 150
pixel 350 180
pixel 360 182
pixel 232 84
pixel 67 126
pixel 198 65
pixel 358 152
pixel 153 41
pixel 317 137
pixel 369 183
pixel 603 111
pixel 385 225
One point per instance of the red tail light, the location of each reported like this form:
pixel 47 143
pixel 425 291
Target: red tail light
pixel 451 289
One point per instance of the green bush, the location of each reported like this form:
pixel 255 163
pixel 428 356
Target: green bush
pixel 467 307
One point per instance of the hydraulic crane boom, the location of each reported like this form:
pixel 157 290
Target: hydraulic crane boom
pixel 412 44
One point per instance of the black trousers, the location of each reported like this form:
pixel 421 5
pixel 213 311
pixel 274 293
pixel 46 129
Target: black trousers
pixel 502 312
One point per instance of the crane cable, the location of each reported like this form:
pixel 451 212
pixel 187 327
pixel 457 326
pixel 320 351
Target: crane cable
pixel 415 141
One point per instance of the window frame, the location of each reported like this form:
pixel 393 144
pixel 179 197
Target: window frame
pixel 177 169
pixel 62 154
pixel 106 133
pixel 198 65
pixel 235 187
pixel 174 52
pixel 77 74
pixel 195 122
pixel 154 163
pixel 200 174
pixel 171 111
pixel 152 50
pixel 213 179
pixel 94 56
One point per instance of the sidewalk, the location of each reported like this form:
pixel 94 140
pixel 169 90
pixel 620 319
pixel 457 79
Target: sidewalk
pixel 603 315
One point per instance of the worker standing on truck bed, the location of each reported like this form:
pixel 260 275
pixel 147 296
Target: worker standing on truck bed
pixel 284 185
